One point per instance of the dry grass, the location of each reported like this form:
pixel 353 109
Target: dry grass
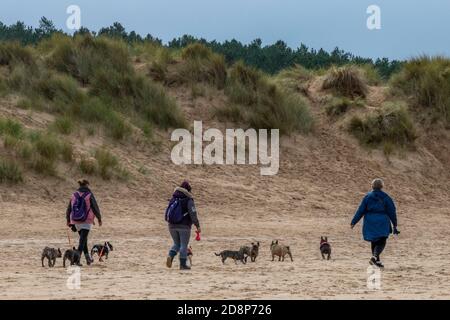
pixel 346 81
pixel 392 124
pixel 294 79
pixel 257 102
pixel 338 106
pixel 198 65
pixel 427 81
pixel 10 172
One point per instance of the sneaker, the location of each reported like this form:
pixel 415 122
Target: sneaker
pixel 169 262
pixel 379 265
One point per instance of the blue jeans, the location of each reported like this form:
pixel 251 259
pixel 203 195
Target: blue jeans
pixel 180 238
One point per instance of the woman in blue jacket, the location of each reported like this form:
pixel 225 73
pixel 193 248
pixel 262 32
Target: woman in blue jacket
pixel 379 212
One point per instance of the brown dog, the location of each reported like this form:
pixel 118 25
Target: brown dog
pixel 189 255
pixel 51 254
pixel 280 250
pixel 251 251
pixel 325 248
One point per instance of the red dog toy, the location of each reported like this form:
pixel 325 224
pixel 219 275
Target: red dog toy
pixel 198 235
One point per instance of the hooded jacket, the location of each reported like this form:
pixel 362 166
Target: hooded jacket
pixel 378 210
pixel 188 206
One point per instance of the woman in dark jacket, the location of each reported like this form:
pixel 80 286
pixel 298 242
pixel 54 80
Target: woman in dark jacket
pixel 379 212
pixel 181 232
pixel 83 227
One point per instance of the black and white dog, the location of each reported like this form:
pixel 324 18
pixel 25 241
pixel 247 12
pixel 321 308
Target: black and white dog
pixel 102 250
pixel 325 248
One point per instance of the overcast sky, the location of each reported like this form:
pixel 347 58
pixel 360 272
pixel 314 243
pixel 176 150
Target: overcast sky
pixel 408 27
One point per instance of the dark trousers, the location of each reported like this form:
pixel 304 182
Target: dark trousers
pixel 378 247
pixel 83 244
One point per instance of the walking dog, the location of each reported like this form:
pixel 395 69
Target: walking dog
pixel 235 255
pixel 51 254
pixel 252 251
pixel 325 248
pixel 102 250
pixel 279 250
pixel 189 255
pixel 73 255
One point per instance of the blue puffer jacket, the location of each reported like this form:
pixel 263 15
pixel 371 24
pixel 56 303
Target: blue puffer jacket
pixel 378 211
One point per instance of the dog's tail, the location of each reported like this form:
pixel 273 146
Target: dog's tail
pixel 218 254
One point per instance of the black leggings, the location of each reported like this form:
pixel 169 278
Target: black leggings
pixel 378 247
pixel 83 245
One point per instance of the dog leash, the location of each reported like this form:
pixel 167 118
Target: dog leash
pixel 68 237
pixel 100 255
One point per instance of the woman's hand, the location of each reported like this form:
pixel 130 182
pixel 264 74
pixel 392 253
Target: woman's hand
pixel 100 223
pixel 199 229
pixel 352 226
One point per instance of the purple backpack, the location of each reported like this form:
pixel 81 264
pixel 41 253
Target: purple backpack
pixel 174 212
pixel 80 206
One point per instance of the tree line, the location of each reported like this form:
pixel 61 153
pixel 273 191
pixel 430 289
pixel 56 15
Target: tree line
pixel 269 58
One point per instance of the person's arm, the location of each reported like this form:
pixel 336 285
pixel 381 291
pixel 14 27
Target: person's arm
pixel 193 213
pixel 96 209
pixel 360 212
pixel 391 211
pixel 68 212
